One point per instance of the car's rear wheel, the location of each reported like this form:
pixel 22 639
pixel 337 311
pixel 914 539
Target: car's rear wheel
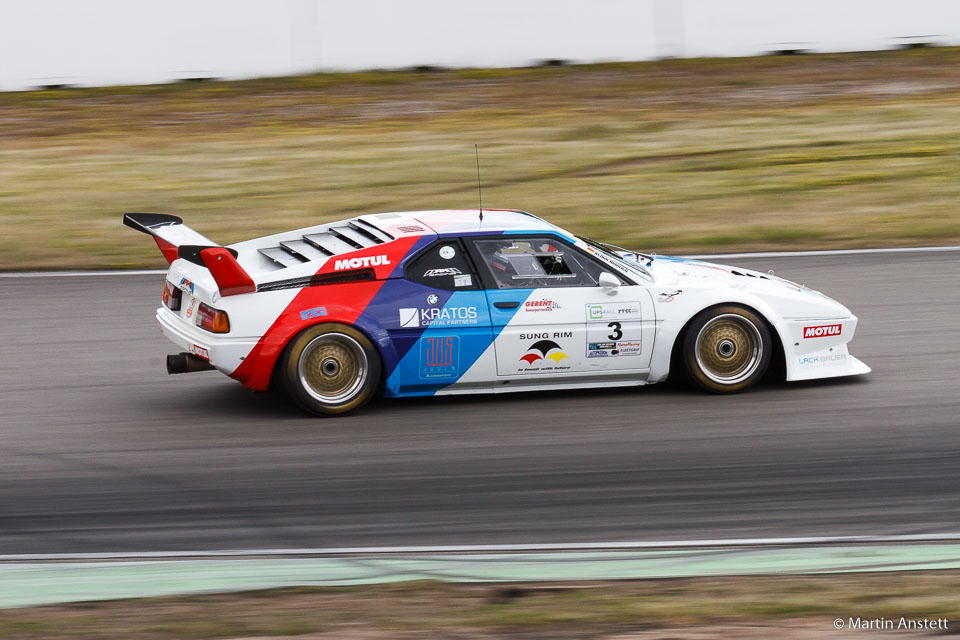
pixel 726 349
pixel 330 369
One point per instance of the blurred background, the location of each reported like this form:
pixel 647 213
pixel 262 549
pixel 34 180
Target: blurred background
pixel 605 117
pixel 108 42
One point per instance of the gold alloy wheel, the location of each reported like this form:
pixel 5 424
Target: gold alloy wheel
pixel 333 368
pixel 729 349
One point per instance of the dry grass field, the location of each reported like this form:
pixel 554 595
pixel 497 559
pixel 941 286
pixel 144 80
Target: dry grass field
pixel 754 608
pixel 808 152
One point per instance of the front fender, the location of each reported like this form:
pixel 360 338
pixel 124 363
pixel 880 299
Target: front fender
pixel 675 312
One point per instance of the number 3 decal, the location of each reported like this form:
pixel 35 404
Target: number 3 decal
pixel 617 333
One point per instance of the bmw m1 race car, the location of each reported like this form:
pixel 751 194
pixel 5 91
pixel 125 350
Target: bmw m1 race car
pixel 454 302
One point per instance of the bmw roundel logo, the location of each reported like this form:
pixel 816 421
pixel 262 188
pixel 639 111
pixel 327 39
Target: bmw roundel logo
pixel 433 298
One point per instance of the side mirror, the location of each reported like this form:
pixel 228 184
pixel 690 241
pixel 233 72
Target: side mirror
pixel 609 282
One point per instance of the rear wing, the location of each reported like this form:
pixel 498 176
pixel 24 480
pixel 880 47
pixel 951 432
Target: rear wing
pixel 176 240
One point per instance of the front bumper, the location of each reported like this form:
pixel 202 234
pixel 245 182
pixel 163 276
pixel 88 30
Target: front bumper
pixel 817 348
pixel 224 352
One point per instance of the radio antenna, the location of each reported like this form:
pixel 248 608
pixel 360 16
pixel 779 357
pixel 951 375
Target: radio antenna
pixel 476 150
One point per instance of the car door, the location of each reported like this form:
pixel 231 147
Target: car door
pixel 438 319
pixel 553 321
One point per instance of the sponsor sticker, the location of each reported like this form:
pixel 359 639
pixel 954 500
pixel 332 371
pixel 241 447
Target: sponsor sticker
pixel 447 252
pixel 543 356
pixel 612 349
pixel 828 360
pixel 629 347
pixel 200 352
pixel 433 299
pixel 822 331
pixel 439 357
pixel 186 286
pixel 557 335
pixel 613 311
pixel 365 261
pixel 436 317
pixel 409 317
pixel 465 280
pixel 189 312
pixel 540 305
pixel 316 312
pixel 437 273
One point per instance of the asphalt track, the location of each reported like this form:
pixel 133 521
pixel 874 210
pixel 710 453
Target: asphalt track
pixel 101 451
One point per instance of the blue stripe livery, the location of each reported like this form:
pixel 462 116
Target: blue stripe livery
pixel 441 341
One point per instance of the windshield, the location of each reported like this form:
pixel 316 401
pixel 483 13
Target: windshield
pixel 609 251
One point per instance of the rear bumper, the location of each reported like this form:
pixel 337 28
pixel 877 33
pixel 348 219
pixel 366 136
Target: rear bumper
pixel 224 353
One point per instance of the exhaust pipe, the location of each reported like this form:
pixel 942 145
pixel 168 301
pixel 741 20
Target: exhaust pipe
pixel 186 363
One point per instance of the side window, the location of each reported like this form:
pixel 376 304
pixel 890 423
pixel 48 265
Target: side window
pixel 443 265
pixel 521 263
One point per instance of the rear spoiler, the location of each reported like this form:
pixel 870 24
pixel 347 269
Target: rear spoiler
pixel 176 240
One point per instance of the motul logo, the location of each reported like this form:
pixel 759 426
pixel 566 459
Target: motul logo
pixel 822 331
pixel 365 261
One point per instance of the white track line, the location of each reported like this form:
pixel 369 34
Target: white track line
pixel 494 548
pixel 708 256
pixel 828 252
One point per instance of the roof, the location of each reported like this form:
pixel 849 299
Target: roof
pixel 310 245
pixel 459 221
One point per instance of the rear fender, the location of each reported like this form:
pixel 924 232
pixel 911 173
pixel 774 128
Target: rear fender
pixel 364 323
pixel 257 369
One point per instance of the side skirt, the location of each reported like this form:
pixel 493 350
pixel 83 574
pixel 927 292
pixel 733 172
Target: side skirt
pixel 510 386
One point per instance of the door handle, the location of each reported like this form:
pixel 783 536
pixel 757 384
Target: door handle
pixel 506 305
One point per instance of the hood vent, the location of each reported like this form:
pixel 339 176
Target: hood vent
pixel 748 274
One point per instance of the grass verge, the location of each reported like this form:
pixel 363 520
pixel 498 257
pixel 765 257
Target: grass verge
pixel 554 610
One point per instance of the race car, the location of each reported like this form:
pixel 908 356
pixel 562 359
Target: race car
pixel 492 301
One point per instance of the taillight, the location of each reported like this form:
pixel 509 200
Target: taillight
pixel 212 319
pixel 171 296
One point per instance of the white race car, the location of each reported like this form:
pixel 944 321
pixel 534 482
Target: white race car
pixel 445 302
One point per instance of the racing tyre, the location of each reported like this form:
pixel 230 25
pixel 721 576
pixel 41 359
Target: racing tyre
pixel 726 349
pixel 330 370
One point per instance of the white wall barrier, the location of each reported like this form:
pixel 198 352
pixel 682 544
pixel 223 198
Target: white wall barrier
pixel 106 42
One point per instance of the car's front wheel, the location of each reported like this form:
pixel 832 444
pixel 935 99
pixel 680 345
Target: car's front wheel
pixel 330 369
pixel 726 349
